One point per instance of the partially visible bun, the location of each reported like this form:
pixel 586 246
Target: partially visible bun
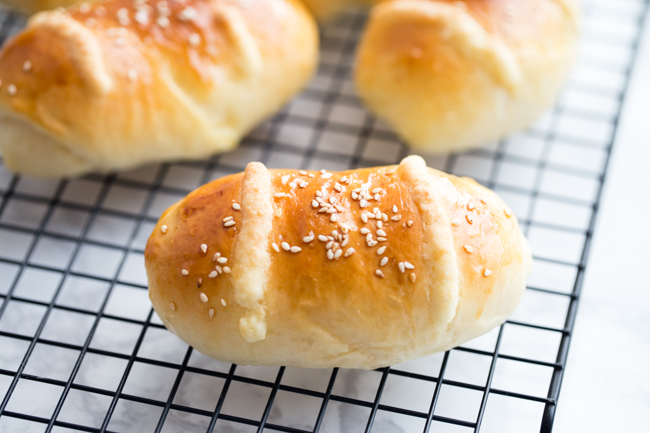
pixel 109 85
pixel 444 263
pixel 451 75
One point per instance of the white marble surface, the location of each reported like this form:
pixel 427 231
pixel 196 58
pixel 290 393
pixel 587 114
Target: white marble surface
pixel 607 382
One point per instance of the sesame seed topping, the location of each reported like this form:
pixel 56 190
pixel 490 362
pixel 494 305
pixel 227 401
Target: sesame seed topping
pixel 163 229
pixel 379 273
pixel 276 247
pixel 381 239
pixel 383 261
pixel 326 175
pixel 468 248
pixel 308 239
pixel 12 90
pixel 199 282
pixel 279 195
pixel 349 252
pixel 226 270
pixel 172 306
pixel 508 212
pixel 364 217
pixel 329 245
pixel 469 219
pixel 211 313
pixel 455 222
pixel 204 248
pixel 331 209
pixel 229 224
pixel 319 194
pixel 408 265
pixel 302 172
pixel 226 219
pixel 409 223
pixel 213 274
pixel 470 206
pixel 381 233
pixel 312 175
pixel 364 231
pixel 122 16
pixel 222 260
pixel 384 217
pixel 204 297
pixel 338 254
pixel 330 255
pixel 216 256
pixel 141 17
pixel 187 14
pixel 354 196
pixel 286 246
pixel 368 237
pixel 380 224
pixel 363 203
pixel 27 66
pixel 377 190
pixel 338 187
pixel 236 206
pixel 219 269
pixel 185 272
pixel 314 204
pixel 413 278
pixel 194 39
pixel 396 218
pixel 334 218
pixel 377 197
pixel 381 250
pixel 395 208
pixel 487 272
pixel 302 184
pixel 295 250
pixel 162 21
pixel 401 267
pixel 371 243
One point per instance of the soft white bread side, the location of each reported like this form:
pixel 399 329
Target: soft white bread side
pixel 109 85
pixel 33 6
pixel 357 269
pixel 451 75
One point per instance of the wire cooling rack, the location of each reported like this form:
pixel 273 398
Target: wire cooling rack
pixel 82 350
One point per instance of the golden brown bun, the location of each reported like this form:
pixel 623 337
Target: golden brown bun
pixel 451 75
pixel 33 6
pixel 326 9
pixel 301 308
pixel 106 86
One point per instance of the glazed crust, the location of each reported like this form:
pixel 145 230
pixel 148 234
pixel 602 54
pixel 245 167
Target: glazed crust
pixel 424 292
pixel 109 85
pixel 452 75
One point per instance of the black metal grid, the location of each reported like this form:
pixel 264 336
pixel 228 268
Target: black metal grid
pixel 81 349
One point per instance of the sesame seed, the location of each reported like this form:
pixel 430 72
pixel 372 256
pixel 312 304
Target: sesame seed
pixel 163 21
pixel 204 248
pixel 332 200
pixel 319 194
pixel 412 276
pixel 377 197
pixel 408 265
pixel 345 242
pixel 27 66
pixel 330 255
pixel 199 282
pixel 470 206
pixel 363 203
pixel 211 313
pixel 185 272
pixel 372 243
pixel 468 248
pixel 236 206
pixel 409 223
pixel 487 272
pixel 223 302
pixel 226 219
pixel 337 187
pixel 383 261
pixel 381 250
pixel 401 267
pixel 142 17
pixel 302 184
pixel 334 218
pixel 194 39
pixel 345 228
pixel 380 224
pixel 187 14
pixel 314 204
pixel 455 222
pixel 384 217
pixel 396 218
pixel 226 270
pixel 326 175
pixel 335 246
pixel 364 231
pixel 279 195
pixel 323 209
pixel 222 260
pixel 229 224
pixel 345 179
pixel 213 274
pixel 381 239
pixel 355 196
pixel 172 306
pixel 307 239
pixel 216 256
pixel 84 8
pixel 204 297
pixel 377 190
pixel 331 209
pixel 395 208
pixel 364 217
pixel 329 245
pixel 379 273
pixel 349 252
pixel 286 246
pixel 507 212
pixel 296 250
pixel 368 237
pixel 338 254
pixel 469 219
pixel 302 172
pixel 370 215
pixel 219 269
pixel 163 229
pixel 12 90
pixel 381 233
pixel 312 175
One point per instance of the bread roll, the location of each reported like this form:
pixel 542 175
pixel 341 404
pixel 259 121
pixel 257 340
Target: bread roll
pixel 109 85
pixel 281 267
pixel 451 75
pixel 33 6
